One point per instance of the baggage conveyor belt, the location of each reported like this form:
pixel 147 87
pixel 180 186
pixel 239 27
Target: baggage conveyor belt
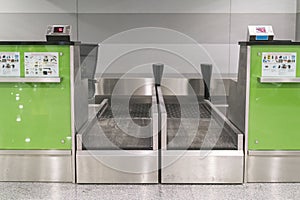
pixel 210 133
pixel 106 133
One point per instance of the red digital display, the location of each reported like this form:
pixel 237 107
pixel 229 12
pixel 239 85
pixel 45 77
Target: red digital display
pixel 58 29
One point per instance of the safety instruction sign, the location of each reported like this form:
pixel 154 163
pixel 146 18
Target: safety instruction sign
pixel 9 64
pixel 276 64
pixel 41 64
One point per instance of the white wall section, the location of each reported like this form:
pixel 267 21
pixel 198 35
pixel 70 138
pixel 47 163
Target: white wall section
pixel 216 24
pixel 32 27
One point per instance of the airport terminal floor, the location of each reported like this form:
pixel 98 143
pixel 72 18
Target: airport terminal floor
pixel 272 191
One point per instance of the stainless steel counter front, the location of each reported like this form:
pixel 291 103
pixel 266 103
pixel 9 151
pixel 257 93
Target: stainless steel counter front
pixel 199 145
pixel 120 144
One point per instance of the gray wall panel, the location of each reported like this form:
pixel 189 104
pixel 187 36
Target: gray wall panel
pixel 211 30
pixel 263 6
pixel 234 58
pixel 33 26
pixel 220 56
pixel 154 6
pixel 284 25
pixel 298 27
pixel 38 6
pixel 298 21
pixel 204 28
pixel 121 58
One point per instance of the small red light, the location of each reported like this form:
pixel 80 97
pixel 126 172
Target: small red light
pixel 58 29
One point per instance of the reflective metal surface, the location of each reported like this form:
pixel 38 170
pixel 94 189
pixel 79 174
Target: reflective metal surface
pixel 215 167
pixel 171 86
pixel 155 123
pixel 206 71
pixel 163 119
pixel 47 166
pixel 88 64
pixel 88 60
pixel 274 153
pixel 80 92
pixel 237 92
pixel 107 86
pixel 273 167
pixel 94 166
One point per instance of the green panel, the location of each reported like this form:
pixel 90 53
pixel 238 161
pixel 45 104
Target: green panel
pixel 274 110
pixel 36 115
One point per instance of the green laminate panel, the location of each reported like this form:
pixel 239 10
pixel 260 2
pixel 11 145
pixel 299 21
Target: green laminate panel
pixel 36 115
pixel 274 108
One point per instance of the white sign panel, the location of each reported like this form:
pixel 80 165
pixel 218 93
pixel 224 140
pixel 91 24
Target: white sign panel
pixel 275 64
pixel 9 64
pixel 41 64
pixel 261 30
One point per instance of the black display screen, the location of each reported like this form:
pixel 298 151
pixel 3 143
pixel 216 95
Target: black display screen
pixel 58 29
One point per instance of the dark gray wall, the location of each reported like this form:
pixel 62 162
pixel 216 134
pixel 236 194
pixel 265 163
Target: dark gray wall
pixel 298 21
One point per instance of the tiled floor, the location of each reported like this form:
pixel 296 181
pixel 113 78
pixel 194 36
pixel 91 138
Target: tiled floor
pixel 58 191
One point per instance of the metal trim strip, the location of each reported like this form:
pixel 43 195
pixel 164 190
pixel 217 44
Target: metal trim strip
pixel 278 80
pixel 155 118
pixel 163 123
pixel 273 153
pixel 134 153
pixel 206 153
pixel 72 79
pixel 36 152
pixel 30 80
pixel 247 110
